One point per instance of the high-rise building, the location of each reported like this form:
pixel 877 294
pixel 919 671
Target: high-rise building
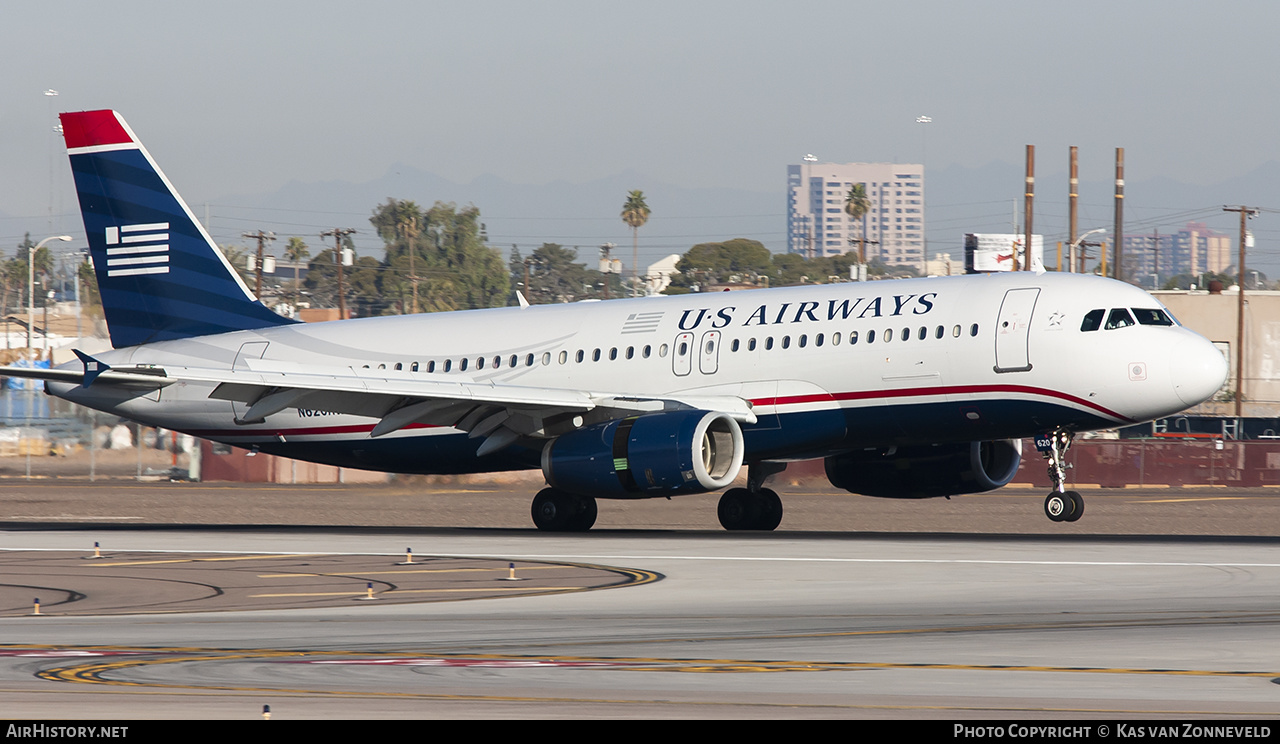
pixel 817 224
pixel 1192 250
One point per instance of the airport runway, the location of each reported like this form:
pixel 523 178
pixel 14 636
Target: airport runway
pixel 783 625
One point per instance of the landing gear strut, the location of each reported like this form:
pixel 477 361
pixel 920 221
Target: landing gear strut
pixel 754 507
pixel 1061 505
pixel 560 511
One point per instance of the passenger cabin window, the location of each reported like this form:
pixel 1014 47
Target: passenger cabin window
pixel 1092 320
pixel 1118 318
pixel 1155 317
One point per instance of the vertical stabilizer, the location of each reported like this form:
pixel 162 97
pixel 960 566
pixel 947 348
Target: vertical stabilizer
pixel 159 274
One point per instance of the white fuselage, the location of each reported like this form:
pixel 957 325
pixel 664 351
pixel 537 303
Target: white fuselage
pixel 826 367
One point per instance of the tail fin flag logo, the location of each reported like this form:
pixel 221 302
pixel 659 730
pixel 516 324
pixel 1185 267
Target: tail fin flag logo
pixel 136 247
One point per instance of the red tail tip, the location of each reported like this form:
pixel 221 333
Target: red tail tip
pixel 92 128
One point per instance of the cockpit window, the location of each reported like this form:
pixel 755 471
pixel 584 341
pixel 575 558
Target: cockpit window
pixel 1118 318
pixel 1092 320
pixel 1155 317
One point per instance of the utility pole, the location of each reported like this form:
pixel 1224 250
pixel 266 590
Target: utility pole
pixel 1085 245
pixel 1245 214
pixel 1030 196
pixel 1155 259
pixel 862 244
pixel 606 264
pixel 1118 268
pixel 262 238
pixel 1073 188
pixel 338 234
pixel 410 231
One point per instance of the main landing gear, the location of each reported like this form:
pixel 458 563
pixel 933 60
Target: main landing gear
pixel 560 511
pixel 754 507
pixel 1061 505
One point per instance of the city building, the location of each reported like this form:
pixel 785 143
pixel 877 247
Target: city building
pixel 1194 250
pixel 817 224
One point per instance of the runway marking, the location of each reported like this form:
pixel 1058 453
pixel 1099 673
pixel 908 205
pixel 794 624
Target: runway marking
pixel 926 561
pixel 1190 498
pixel 577 557
pixel 73 518
pixel 92 672
pixel 211 560
pixel 398 592
pixel 349 574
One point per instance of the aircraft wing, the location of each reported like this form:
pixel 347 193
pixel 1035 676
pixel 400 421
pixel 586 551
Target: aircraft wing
pixel 501 413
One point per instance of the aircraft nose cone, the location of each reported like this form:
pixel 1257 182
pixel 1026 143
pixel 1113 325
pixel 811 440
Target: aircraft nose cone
pixel 1198 369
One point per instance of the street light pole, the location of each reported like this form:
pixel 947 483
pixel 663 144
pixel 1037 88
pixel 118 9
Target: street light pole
pixel 31 290
pixel 1075 244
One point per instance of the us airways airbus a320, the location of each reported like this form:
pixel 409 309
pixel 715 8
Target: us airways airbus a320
pixel 908 389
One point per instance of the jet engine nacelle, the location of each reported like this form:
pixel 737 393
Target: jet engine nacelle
pixel 656 454
pixel 927 471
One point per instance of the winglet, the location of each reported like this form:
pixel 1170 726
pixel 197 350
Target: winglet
pixel 523 301
pixel 92 367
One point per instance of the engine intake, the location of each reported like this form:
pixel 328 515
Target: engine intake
pixel 927 471
pixel 656 454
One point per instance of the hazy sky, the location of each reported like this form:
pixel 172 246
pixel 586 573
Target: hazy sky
pixel 242 97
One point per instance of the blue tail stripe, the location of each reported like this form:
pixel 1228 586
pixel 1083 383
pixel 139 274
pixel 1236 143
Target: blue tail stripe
pixel 191 292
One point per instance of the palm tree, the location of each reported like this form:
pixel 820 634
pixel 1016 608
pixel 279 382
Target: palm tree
pixel 635 213
pixel 856 205
pixel 297 252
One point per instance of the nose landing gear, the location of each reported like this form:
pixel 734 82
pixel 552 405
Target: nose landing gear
pixel 1061 505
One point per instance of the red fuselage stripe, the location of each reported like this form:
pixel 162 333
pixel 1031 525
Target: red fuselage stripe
pixel 935 391
pixel 757 402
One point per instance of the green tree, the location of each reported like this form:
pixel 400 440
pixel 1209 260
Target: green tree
pixel 399 223
pixel 555 275
pixel 296 252
pixel 442 247
pixel 856 205
pixel 89 295
pixel 717 263
pixel 635 212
